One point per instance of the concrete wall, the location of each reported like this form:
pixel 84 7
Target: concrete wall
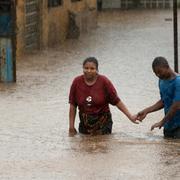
pixel 54 21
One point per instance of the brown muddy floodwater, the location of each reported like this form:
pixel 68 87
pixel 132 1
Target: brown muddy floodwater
pixel 34 111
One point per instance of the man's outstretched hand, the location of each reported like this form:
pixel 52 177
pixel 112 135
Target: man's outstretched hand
pixel 157 125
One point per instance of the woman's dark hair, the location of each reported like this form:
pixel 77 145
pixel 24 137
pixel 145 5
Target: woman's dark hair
pixel 160 62
pixel 91 59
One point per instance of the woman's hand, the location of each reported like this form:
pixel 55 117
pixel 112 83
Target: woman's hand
pixel 72 132
pixel 134 119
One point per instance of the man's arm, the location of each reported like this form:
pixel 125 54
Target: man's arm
pixel 155 107
pixel 172 111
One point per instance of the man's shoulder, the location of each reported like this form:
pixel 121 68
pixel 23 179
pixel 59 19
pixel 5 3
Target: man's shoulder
pixel 178 77
pixel 177 80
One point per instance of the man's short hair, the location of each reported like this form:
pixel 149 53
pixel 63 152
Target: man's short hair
pixel 160 62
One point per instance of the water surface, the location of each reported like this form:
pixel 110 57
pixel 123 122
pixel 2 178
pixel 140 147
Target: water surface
pixel 34 111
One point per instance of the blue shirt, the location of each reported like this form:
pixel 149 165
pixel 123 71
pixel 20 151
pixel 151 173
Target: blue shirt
pixel 170 92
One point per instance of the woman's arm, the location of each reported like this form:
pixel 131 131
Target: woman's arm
pixel 122 107
pixel 72 115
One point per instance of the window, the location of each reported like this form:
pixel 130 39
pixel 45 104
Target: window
pixel 54 3
pixel 75 0
pixel 5 6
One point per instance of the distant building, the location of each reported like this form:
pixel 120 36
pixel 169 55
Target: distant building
pixel 126 4
pixel 46 23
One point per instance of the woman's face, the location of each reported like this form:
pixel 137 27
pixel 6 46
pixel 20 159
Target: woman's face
pixel 90 70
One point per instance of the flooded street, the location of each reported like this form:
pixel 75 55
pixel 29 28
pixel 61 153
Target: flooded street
pixel 34 111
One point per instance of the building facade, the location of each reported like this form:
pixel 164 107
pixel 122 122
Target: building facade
pixel 46 23
pixel 126 4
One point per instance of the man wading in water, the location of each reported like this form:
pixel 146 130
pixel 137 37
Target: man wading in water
pixel 169 86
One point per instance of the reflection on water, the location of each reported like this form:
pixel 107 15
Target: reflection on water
pixel 120 157
pixel 103 144
pixel 34 111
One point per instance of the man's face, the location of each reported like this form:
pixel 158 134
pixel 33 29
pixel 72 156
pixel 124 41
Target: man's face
pixel 162 72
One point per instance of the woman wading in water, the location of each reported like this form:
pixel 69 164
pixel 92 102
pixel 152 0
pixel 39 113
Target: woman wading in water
pixel 92 93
